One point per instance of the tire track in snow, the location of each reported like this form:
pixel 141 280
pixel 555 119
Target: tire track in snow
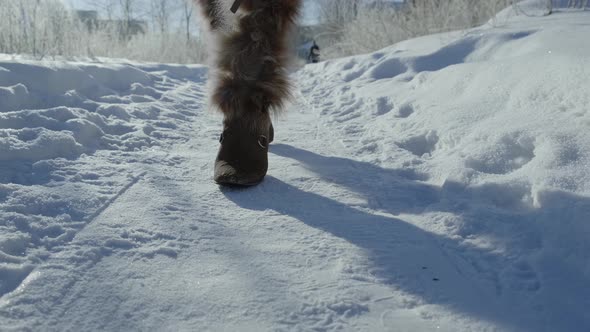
pixel 134 180
pixel 34 274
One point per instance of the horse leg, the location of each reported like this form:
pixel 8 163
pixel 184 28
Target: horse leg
pixel 250 81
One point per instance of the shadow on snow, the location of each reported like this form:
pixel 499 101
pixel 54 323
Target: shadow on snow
pixel 528 277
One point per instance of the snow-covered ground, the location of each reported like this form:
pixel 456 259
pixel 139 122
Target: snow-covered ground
pixel 442 183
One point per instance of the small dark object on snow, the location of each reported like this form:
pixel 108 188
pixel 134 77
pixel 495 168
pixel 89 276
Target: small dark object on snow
pixel 314 53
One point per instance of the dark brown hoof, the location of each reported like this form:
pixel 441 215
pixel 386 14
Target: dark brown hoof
pixel 243 156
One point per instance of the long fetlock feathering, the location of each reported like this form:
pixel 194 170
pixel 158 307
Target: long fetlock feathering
pixel 251 54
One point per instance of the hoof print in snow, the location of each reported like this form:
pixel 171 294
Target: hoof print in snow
pixel 388 69
pixel 420 145
pixel 502 156
pixel 405 111
pixel 383 105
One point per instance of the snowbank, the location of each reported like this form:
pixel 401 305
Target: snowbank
pixel 72 135
pixel 498 119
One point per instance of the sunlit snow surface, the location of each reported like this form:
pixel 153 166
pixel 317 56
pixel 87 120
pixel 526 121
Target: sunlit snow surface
pixel 440 184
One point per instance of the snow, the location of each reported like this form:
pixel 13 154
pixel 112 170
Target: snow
pixel 442 183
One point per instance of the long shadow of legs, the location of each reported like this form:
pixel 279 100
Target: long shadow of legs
pixel 544 247
pixel 400 254
pixel 394 191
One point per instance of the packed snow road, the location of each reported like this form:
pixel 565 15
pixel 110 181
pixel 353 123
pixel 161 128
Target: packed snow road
pixel 439 184
pixel 173 251
pixel 176 252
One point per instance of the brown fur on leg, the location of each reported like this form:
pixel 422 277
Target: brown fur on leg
pixel 210 11
pixel 250 74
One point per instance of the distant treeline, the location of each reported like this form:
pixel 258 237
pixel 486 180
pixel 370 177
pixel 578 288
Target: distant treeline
pixel 166 30
pixel 162 32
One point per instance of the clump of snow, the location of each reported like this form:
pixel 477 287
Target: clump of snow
pixel 37 144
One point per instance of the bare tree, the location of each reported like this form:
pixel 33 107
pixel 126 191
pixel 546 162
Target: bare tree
pixel 578 4
pixel 160 13
pixel 47 28
pixel 187 16
pixel 350 27
pixel 108 7
pixel 127 12
pixel 335 14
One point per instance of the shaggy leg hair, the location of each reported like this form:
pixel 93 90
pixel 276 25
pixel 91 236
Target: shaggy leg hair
pixel 250 53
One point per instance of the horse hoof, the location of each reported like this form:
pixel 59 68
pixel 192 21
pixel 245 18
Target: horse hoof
pixel 242 159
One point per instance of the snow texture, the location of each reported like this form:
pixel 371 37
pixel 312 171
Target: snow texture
pixel 442 183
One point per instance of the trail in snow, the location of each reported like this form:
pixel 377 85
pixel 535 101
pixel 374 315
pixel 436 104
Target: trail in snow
pixel 439 184
pixel 172 246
